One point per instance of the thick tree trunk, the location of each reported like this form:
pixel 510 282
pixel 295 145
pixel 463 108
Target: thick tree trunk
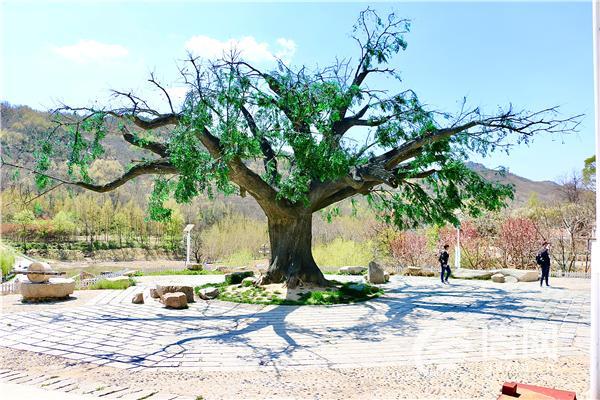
pixel 291 255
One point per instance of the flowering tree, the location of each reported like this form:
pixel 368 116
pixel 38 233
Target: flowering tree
pixel 519 242
pixel 409 248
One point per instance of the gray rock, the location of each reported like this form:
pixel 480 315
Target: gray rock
pixel 521 275
pixel 130 272
pixel 463 273
pixel 162 290
pixel 510 279
pixel 138 298
pixel 175 300
pixel 194 267
pixel 386 276
pixel 498 278
pixel 208 293
pixel 359 287
pixel 375 273
pixel 352 270
pixel 236 277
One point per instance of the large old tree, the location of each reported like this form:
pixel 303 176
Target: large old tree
pixel 320 136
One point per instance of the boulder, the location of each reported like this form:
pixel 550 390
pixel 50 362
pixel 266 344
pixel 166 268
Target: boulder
pixel 130 273
pixel 162 290
pixel 352 270
pixel 138 298
pixel 375 273
pixel 234 278
pixel 55 288
pixel 176 300
pixel 521 275
pixel 510 279
pixel 464 273
pixel 498 278
pixel 208 293
pixel 195 267
pixel 386 276
pixel 154 293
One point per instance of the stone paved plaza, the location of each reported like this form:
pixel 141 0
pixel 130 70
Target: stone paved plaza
pixel 419 321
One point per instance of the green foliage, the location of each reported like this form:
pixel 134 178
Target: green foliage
pixel 340 252
pixel 24 217
pixel 589 170
pixel 106 284
pixel 7 260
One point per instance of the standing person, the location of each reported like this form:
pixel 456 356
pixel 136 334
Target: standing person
pixel 443 259
pixel 543 260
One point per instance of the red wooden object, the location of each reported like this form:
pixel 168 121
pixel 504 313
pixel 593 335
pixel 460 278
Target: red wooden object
pixel 512 390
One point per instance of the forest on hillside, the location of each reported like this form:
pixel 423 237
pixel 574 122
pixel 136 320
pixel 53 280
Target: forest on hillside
pixel 67 223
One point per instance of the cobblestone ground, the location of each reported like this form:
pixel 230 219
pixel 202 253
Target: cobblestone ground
pixel 419 321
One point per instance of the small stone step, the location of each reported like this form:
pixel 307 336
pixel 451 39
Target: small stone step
pixel 110 390
pixel 13 378
pixel 8 375
pixel 132 394
pixel 61 384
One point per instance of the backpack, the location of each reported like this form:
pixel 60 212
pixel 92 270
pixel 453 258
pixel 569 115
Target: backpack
pixel 538 259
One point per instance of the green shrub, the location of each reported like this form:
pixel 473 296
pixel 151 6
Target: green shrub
pixel 237 277
pixel 7 260
pixel 106 284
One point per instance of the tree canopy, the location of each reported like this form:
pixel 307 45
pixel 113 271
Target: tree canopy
pixel 297 123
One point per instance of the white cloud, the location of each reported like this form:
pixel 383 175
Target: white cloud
pixel 86 51
pixel 249 48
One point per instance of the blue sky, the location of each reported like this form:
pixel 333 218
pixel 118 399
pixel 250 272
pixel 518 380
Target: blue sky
pixel 533 55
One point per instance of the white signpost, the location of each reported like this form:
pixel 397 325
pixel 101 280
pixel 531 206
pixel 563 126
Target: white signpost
pixel 595 296
pixel 187 230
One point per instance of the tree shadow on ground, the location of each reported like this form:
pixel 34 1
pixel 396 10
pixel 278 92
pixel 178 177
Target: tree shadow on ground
pixel 401 312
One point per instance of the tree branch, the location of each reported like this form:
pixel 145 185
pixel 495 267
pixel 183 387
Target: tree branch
pixel 157 167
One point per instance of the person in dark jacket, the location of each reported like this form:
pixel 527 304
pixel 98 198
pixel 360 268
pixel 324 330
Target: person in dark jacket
pixel 443 259
pixel 543 260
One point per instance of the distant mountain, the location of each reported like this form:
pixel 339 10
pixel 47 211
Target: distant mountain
pixel 546 191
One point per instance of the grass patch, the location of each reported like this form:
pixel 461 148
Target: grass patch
pixel 339 293
pixel 177 272
pixel 106 284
